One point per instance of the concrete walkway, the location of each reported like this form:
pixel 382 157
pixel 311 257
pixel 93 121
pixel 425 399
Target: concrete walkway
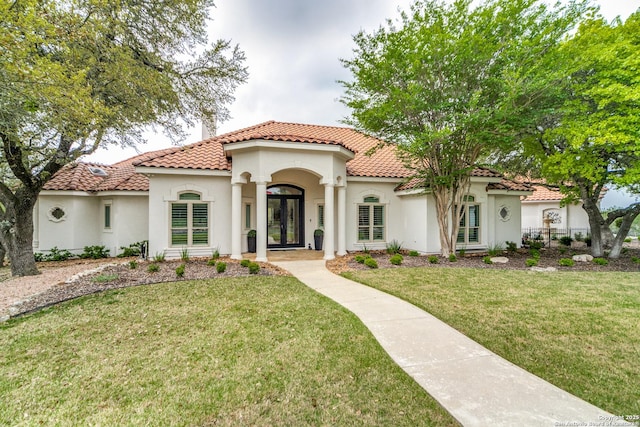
pixel 475 385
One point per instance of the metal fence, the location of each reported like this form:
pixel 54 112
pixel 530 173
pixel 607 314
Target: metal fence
pixel 549 235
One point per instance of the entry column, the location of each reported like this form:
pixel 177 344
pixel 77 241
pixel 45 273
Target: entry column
pixel 329 222
pixel 342 220
pixel 236 220
pixel 261 221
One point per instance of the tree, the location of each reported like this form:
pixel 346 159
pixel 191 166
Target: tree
pixel 79 74
pixel 441 87
pixel 587 134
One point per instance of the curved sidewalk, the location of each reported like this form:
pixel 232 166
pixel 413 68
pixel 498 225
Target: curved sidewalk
pixel 475 385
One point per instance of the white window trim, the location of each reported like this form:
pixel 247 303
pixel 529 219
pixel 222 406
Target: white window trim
pixel 380 202
pixel 53 218
pixel 466 205
pixel 250 202
pixel 190 204
pixel 106 203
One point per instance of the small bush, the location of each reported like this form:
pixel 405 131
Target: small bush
pixel 254 268
pixel 396 259
pixel 535 253
pixel 360 258
pixel 601 261
pixel 94 252
pixel 566 262
pixel 535 245
pixel 433 259
pixel 245 262
pixel 180 270
pixel 587 240
pixel 627 240
pixel 56 254
pixel 133 249
pixel 512 247
pixel 635 259
pixel 414 253
pixel 566 240
pixel 453 258
pixel 104 278
pixel 159 257
pixel 531 262
pixel 365 249
pixel 371 263
pixel 495 249
pixel 184 254
pixel 579 237
pixel 211 262
pixel 215 254
pixel 153 268
pixel 39 256
pixel 394 247
pixel 487 260
pixel 221 267
pixel 462 252
pixel 133 265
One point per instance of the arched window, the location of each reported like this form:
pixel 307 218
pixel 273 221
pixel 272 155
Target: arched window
pixel 469 231
pixel 189 221
pixel 371 220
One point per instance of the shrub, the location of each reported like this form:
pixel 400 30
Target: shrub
pixel 414 253
pixel 453 258
pixel 184 254
pixel 153 268
pixel 211 262
pixel 494 249
pixel 566 240
pixel 38 256
pixel 531 262
pixel 180 270
pixel 487 260
pixel 566 262
pixel 635 259
pixel 587 240
pixel 215 254
pixel 133 249
pixel 512 247
pixel 627 240
pixel 254 268
pixel 245 262
pixel 394 247
pixel 433 259
pixel 601 261
pixel 361 258
pixel 56 254
pixel 535 253
pixel 462 252
pixel 94 252
pixel 396 259
pixel 159 257
pixel 251 233
pixel 365 249
pixel 371 263
pixel 535 245
pixel 579 237
pixel 133 264
pixel 221 267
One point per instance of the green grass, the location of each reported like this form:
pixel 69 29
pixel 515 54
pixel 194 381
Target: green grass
pixel 239 351
pixel 578 331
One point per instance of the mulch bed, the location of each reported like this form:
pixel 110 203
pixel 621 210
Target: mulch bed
pixel 121 275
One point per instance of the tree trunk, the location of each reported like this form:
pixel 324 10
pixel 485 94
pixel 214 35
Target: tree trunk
pixel 441 198
pixel 16 235
pixel 623 232
pixel 2 255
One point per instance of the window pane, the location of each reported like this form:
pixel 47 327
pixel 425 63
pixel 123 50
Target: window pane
pixel 363 215
pixel 320 216
pixel 178 215
pixel 284 189
pixel 200 236
pixel 474 215
pixel 179 237
pixel 189 196
pixel 378 233
pixel 247 216
pixel 363 233
pixel 474 235
pixel 107 216
pixel 378 215
pixel 200 215
pixel 372 199
pixel 461 235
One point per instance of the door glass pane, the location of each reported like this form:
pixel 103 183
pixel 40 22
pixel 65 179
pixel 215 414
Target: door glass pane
pixel 293 221
pixel 273 221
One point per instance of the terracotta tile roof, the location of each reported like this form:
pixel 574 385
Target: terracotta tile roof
pixel 480 172
pixel 509 185
pixel 543 193
pixel 77 177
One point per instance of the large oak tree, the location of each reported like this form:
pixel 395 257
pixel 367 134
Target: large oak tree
pixel 79 74
pixel 441 84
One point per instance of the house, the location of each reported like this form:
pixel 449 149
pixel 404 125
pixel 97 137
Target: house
pixel 542 211
pixel 283 180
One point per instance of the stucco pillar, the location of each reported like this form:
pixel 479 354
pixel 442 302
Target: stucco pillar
pixel 261 221
pixel 329 222
pixel 342 220
pixel 236 220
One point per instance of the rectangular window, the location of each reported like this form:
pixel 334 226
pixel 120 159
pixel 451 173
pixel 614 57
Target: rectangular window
pixel 247 216
pixel 371 222
pixel 320 216
pixel 107 216
pixel 189 221
pixel 469 231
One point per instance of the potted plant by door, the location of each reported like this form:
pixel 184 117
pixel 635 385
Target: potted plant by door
pixel 317 239
pixel 251 241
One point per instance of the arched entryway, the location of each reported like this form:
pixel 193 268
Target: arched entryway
pixel 285 216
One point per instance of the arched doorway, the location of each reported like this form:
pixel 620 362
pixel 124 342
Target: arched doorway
pixel 285 216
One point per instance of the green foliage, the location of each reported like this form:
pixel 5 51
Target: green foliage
pixel 414 253
pixel 535 254
pixel 38 256
pixel 94 252
pixel 512 247
pixel 365 249
pixel 394 247
pixel 566 262
pixel 495 249
pixel 318 232
pixel 153 268
pixel 566 240
pixel 211 262
pixel 396 259
pixel 628 240
pixel 535 245
pixel 133 249
pixel 245 262
pixel 453 258
pixel 180 270
pixel 487 260
pixel 371 263
pixel 462 252
pixel 103 278
pixel 433 259
pixel 360 258
pixel 133 264
pixel 221 267
pixel 251 233
pixel 601 261
pixel 254 268
pixel 56 254
pixel 531 262
pixel 159 257
pixel 184 254
pixel 215 254
pixel 587 241
pixel 635 260
pixel 579 237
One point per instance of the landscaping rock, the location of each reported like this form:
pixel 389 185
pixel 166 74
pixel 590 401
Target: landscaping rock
pixel 499 260
pixel 544 269
pixel 583 258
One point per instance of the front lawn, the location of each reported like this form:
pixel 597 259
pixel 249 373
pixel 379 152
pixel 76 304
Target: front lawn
pixel 579 331
pixel 234 351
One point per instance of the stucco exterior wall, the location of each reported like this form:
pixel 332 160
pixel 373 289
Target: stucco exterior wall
pixel 507 229
pixel 571 216
pixel 129 221
pixel 416 224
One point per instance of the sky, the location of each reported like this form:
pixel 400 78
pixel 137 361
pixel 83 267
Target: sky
pixel 293 50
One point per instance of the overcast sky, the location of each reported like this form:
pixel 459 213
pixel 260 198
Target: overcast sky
pixel 293 50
